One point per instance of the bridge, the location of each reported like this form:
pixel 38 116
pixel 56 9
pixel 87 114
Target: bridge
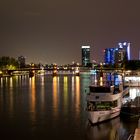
pixel 29 71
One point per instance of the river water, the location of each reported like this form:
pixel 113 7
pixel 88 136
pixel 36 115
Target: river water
pixel 53 108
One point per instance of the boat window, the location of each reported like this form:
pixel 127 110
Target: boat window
pixel 116 90
pixel 103 106
pixel 96 106
pixel 97 97
pixel 99 89
pixel 115 103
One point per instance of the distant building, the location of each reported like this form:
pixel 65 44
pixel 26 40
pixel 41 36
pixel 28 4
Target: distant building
pixel 125 48
pixel 21 61
pixel 85 55
pixel 120 54
pixel 117 55
pixel 109 56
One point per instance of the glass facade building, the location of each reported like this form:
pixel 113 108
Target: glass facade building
pixel 109 54
pixel 85 55
pixel 125 48
pixel 117 55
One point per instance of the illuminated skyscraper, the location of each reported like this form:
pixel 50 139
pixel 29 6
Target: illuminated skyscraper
pixel 124 47
pixel 109 54
pixel 122 52
pixel 85 55
pixel 117 55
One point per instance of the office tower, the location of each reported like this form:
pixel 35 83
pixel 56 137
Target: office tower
pixel 122 53
pixel 124 47
pixel 109 56
pixel 117 55
pixel 85 55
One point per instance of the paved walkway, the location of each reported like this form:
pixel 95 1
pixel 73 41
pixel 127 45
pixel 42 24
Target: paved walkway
pixel 137 134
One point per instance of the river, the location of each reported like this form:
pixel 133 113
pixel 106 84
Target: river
pixel 46 107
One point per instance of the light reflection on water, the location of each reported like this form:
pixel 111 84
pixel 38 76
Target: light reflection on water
pixel 32 99
pixel 11 104
pixel 42 92
pixel 108 130
pixel 43 107
pixel 77 94
pixel 55 95
pixel 65 95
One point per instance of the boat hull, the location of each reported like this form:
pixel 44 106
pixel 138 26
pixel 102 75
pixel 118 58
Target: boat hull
pixel 100 116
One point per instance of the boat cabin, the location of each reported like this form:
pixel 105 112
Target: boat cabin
pixel 101 89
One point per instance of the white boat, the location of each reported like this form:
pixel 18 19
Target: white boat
pixel 133 81
pixel 104 102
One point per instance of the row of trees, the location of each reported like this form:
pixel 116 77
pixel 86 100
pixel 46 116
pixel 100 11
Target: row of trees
pixel 132 65
pixel 127 65
pixel 8 63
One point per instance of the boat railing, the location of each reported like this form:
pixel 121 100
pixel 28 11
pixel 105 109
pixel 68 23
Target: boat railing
pixel 131 137
pixel 99 109
pixel 126 91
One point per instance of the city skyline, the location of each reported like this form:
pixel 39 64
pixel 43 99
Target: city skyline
pixel 54 31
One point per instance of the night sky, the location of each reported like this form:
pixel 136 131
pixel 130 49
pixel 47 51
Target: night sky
pixel 48 31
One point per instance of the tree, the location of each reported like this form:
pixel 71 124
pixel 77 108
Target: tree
pixel 7 62
pixel 132 65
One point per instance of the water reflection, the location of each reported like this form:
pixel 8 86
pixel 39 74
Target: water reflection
pixel 85 82
pixel 52 105
pixel 11 102
pixel 104 78
pixel 55 95
pixel 1 82
pixel 77 95
pixel 32 99
pixel 105 131
pixel 7 95
pixel 42 93
pixel 72 87
pixel 101 81
pixel 65 93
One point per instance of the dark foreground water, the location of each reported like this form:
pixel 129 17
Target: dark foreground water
pixel 52 108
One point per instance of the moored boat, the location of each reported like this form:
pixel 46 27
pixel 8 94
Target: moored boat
pixel 131 109
pixel 104 102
